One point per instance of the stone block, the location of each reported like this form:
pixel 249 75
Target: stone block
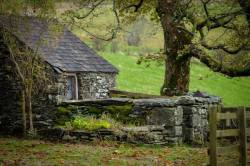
pixel 186 100
pixel 165 116
pixel 156 128
pixel 174 141
pixel 173 131
pixel 136 129
pixel 188 110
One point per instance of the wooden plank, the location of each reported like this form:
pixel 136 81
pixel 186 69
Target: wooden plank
pixel 248 114
pixel 248 159
pixel 229 113
pixel 212 110
pixel 231 162
pixel 226 116
pixel 228 149
pixel 248 131
pixel 228 109
pixel 243 136
pixel 227 133
pixel 248 145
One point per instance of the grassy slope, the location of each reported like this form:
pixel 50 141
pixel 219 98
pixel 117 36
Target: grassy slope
pixel 138 78
pixel 33 152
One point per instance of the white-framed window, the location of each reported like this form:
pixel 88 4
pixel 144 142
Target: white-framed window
pixel 71 87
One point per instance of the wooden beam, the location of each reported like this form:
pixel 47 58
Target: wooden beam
pixel 243 136
pixel 231 162
pixel 212 110
pixel 227 150
pixel 227 115
pixel 227 133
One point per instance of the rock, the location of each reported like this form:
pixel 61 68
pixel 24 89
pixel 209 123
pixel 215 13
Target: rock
pixel 136 129
pixel 186 100
pixel 68 137
pixel 157 102
pixel 165 116
pixel 175 141
pixel 156 128
pixel 200 94
pixel 173 131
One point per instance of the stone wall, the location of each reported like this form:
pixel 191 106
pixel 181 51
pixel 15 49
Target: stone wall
pixel 9 93
pixel 95 85
pixel 10 96
pixel 150 134
pixel 182 119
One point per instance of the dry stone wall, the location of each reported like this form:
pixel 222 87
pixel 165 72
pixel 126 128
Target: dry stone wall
pixel 158 121
pixel 9 92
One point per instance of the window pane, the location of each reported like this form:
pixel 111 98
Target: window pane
pixel 70 94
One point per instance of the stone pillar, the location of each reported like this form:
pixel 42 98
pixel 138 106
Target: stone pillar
pixel 195 117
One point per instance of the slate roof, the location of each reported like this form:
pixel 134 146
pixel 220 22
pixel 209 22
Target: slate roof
pixel 61 49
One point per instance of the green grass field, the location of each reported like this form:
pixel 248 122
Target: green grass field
pixel 18 152
pixel 138 78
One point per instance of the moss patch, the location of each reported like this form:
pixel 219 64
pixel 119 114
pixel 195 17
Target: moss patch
pixel 89 123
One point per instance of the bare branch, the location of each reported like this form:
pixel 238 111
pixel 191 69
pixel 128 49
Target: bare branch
pixel 216 19
pixel 218 24
pixel 205 2
pixel 91 10
pixel 136 6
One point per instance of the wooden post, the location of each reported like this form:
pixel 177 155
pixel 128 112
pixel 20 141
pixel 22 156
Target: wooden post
pixel 243 136
pixel 212 135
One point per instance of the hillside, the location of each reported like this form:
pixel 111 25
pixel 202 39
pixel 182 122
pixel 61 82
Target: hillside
pixel 139 78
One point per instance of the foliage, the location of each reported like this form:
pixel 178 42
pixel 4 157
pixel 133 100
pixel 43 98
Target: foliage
pixel 63 110
pixel 89 123
pixel 22 7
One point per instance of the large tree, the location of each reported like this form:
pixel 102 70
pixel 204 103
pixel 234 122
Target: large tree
pixel 187 26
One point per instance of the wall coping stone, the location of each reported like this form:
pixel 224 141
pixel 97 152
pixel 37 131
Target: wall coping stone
pixel 156 102
pixel 106 102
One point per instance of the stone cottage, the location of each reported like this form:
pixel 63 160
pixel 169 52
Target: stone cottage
pixel 78 71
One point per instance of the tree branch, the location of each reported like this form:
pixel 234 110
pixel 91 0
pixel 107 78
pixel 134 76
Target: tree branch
pixel 205 2
pixel 91 10
pixel 136 6
pixel 113 31
pixel 224 48
pixel 216 66
pixel 217 18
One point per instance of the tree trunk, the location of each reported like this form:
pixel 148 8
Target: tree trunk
pixel 23 104
pixel 29 109
pixel 177 74
pixel 177 67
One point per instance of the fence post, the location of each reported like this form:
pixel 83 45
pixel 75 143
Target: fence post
pixel 212 135
pixel 243 136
